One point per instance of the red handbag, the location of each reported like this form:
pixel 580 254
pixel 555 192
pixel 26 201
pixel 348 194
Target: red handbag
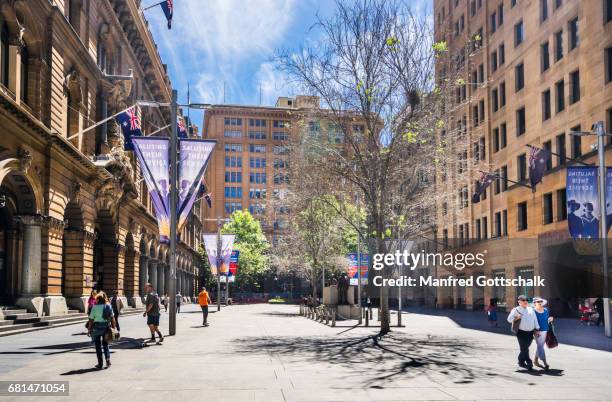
pixel 551 339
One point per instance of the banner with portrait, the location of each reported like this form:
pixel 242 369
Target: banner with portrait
pixel 152 153
pixel 194 157
pixel 582 202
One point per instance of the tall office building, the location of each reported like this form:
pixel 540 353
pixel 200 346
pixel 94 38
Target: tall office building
pixel 531 72
pixel 251 159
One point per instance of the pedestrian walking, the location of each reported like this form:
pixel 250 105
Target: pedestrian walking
pixel 204 301
pixel 179 299
pixel 117 305
pixel 152 312
pixel 492 313
pixel 100 319
pixel 544 319
pixel 91 301
pixel 165 301
pixel 525 326
pixel 599 307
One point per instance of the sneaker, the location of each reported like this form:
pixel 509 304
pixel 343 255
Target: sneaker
pixel 161 339
pixel 98 366
pixel 108 363
pixel 523 364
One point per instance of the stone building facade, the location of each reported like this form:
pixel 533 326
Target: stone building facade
pixel 74 211
pixel 532 71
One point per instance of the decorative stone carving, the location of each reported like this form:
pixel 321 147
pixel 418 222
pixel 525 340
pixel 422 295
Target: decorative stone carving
pixel 54 226
pixel 119 94
pixel 25 159
pixel 75 191
pixel 72 87
pixel 89 238
pixel 120 166
pixel 29 220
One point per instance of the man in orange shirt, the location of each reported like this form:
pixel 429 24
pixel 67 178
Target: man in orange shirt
pixel 204 300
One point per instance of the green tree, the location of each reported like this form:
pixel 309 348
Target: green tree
pixel 253 246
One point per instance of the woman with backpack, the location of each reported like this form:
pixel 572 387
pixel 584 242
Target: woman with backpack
pixel 101 319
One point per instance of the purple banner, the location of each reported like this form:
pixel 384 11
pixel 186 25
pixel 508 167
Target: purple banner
pixel 152 153
pixel 194 155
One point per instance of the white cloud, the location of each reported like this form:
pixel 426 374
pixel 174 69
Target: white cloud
pixel 213 42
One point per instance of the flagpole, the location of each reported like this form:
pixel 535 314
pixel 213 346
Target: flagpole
pixel 158 130
pixel 154 5
pixel 562 156
pixel 507 179
pixel 100 122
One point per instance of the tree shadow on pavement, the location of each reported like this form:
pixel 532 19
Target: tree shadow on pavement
pixel 279 314
pixel 123 343
pixel 379 360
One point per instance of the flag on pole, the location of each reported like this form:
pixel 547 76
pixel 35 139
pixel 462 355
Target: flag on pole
pixel 538 158
pixel 130 126
pixel 481 185
pixel 168 11
pixel 182 131
pixel 203 192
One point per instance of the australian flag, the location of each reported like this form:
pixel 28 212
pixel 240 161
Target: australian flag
pixel 481 185
pixel 203 192
pixel 182 131
pixel 130 126
pixel 168 11
pixel 538 158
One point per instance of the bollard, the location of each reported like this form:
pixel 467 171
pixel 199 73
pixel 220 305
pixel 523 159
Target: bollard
pixel 367 317
pixel 333 317
pixel 326 316
pixel 371 313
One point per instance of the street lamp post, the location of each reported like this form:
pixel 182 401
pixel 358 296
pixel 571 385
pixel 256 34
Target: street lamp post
pixel 219 262
pixel 601 150
pixel 173 217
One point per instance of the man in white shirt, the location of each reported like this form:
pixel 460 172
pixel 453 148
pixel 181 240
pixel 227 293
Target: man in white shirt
pixel 528 325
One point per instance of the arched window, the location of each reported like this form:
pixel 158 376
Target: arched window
pixel 102 57
pixel 25 71
pixel 4 54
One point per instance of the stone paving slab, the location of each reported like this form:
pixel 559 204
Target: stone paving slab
pixel 267 353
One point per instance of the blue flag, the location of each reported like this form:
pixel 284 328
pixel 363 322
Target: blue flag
pixel 481 185
pixel 538 158
pixel 130 126
pixel 168 11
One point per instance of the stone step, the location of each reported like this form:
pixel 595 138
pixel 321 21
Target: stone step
pixel 6 322
pixel 14 311
pixel 9 328
pixel 20 316
pixel 10 308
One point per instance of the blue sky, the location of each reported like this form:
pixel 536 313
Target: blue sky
pixel 231 41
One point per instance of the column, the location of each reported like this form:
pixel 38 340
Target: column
pixel 167 280
pixel 30 297
pixel 160 278
pixel 144 268
pixel 153 273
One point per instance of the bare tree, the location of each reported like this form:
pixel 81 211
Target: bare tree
pixel 377 137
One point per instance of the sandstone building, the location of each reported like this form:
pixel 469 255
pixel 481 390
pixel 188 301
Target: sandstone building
pixel 74 211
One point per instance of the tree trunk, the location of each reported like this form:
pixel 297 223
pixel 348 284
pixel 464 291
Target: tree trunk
pixel 385 318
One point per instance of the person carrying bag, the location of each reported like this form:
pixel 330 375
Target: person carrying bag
pixel 101 326
pixel 551 338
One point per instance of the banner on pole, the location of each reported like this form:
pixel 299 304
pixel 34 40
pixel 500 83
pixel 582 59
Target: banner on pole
pixel 609 198
pixel 233 266
pixel 582 202
pixel 194 157
pixel 354 265
pixel 152 153
pixel 210 244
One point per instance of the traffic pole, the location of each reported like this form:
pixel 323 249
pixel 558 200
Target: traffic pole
pixel 173 218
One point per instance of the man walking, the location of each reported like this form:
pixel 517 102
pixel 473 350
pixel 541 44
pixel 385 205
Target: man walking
pixel 152 312
pixel 179 299
pixel 117 306
pixel 204 300
pixel 527 327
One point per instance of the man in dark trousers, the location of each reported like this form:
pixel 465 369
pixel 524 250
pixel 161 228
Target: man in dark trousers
pixel 204 301
pixel 117 306
pixel 152 312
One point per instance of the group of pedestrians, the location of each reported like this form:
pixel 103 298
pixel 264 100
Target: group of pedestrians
pixel 104 317
pixel 529 323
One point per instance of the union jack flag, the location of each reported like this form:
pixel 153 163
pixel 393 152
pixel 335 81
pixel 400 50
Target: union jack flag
pixel 182 131
pixel 129 121
pixel 538 160
pixel 168 9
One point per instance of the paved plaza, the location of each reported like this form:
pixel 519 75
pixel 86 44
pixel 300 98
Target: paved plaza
pixel 269 353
